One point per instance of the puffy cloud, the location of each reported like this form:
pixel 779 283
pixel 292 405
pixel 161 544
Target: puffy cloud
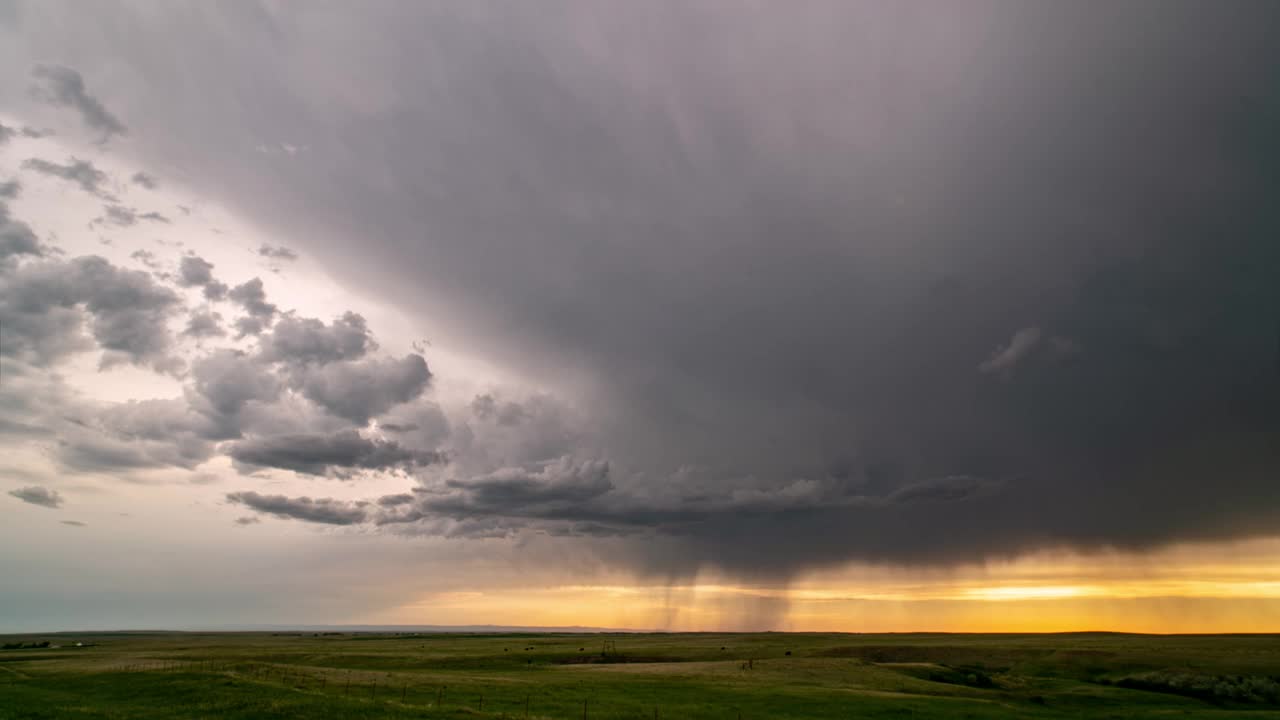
pixel 308 340
pixel 195 271
pixel 204 323
pixel 247 326
pixel 361 390
pixel 81 172
pixel 228 379
pixel 61 85
pixel 16 237
pixel 43 306
pixel 320 510
pixel 37 495
pixel 136 435
pixel 251 296
pixel 320 454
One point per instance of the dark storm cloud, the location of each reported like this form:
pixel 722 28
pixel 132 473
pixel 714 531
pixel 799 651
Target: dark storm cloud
pixel 318 454
pixel 320 510
pixel 60 85
pixel 81 172
pixel 36 495
pixel 511 491
pixel 276 252
pixel 1010 264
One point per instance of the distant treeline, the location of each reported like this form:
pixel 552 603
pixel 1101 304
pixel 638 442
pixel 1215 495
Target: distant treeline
pixel 25 646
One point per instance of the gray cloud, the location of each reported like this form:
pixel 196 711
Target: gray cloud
pixel 1007 356
pixel 16 237
pixel 195 271
pixel 310 341
pixel 246 326
pixel 122 216
pixel 319 510
pixel 62 85
pixel 779 251
pixel 10 189
pixel 253 299
pixel 43 307
pixel 558 487
pixel 146 257
pixel 365 389
pixel 228 379
pixel 73 523
pixel 145 180
pixel 81 172
pixel 36 495
pixel 320 454
pixel 277 252
pixel 138 435
pixel 7 133
pixel 485 407
pixel 204 324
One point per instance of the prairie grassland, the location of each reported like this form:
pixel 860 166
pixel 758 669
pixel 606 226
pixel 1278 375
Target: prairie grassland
pixel 638 676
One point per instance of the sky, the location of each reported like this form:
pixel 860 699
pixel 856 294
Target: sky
pixel 849 316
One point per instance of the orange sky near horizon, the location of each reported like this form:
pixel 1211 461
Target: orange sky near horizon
pixel 1191 588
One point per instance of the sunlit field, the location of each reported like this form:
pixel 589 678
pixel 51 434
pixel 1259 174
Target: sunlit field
pixel 728 676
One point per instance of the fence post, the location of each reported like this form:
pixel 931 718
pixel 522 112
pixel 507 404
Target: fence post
pixel 404 690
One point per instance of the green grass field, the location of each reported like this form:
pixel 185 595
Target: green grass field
pixel 675 676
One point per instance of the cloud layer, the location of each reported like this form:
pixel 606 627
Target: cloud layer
pixel 903 283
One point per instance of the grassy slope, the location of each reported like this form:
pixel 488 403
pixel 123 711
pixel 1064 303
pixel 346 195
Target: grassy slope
pixel 260 675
